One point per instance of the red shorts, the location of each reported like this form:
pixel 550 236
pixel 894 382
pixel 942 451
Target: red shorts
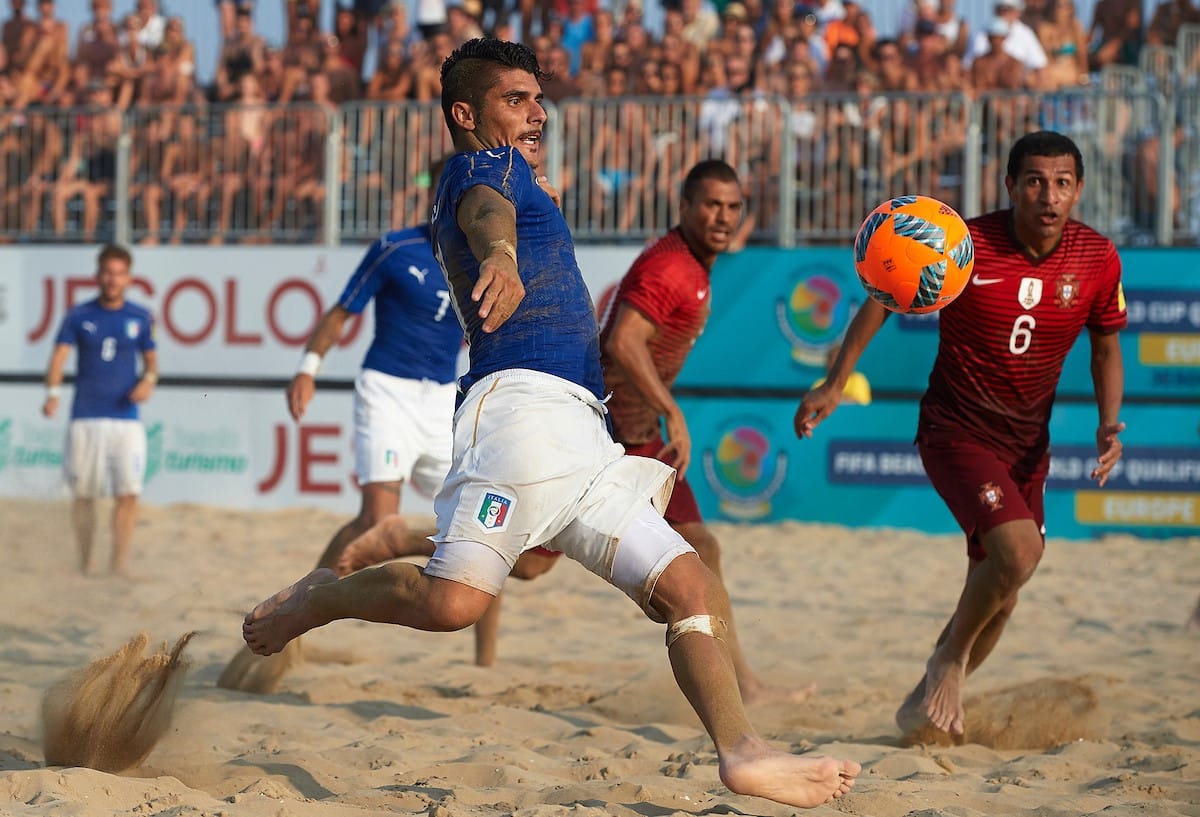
pixel 682 509
pixel 979 488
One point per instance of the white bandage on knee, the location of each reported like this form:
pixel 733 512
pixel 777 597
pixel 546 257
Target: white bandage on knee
pixel 711 626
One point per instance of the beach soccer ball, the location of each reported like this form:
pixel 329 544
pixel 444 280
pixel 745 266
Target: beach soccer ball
pixel 913 254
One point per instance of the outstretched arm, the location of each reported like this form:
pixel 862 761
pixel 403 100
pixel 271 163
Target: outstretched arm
pixel 1108 380
pixel 300 391
pixel 821 401
pixel 490 223
pixel 629 345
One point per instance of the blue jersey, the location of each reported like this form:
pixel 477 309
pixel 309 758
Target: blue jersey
pixel 108 344
pixel 554 328
pixel 416 334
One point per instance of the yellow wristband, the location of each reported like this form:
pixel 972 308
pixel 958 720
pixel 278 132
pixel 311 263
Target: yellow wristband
pixel 150 377
pixel 505 246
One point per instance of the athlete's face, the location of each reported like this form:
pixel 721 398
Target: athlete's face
pixel 1043 194
pixel 709 219
pixel 510 113
pixel 113 278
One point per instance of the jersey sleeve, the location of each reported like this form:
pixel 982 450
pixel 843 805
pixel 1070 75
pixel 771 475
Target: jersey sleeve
pixel 68 331
pixel 368 277
pixel 503 169
pixel 1108 309
pixel 653 287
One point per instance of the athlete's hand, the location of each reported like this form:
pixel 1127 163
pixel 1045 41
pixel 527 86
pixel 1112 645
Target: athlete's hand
pixel 1110 448
pixel 299 392
pixel 50 406
pixel 814 407
pixel 544 183
pixel 498 291
pixel 141 392
pixel 677 453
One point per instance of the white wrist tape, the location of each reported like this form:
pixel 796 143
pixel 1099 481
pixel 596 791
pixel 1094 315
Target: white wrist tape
pixel 150 377
pixel 52 392
pixel 310 364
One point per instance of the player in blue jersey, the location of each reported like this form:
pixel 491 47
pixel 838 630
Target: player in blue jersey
pixel 106 442
pixel 534 463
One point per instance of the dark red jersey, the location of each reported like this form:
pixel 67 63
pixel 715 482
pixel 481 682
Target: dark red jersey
pixel 1002 342
pixel 670 287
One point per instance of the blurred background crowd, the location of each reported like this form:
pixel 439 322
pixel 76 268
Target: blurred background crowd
pixel 122 119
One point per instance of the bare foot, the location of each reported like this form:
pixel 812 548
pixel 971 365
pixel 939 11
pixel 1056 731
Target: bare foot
pixel 272 624
pixel 390 538
pixel 756 769
pixel 911 715
pixel 758 692
pixel 943 693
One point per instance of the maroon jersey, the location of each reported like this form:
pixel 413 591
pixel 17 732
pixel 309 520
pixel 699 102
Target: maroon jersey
pixel 1002 342
pixel 670 287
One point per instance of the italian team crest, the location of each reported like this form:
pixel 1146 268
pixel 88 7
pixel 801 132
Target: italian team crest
pixel 991 496
pixel 1065 291
pixel 1029 294
pixel 132 329
pixel 494 512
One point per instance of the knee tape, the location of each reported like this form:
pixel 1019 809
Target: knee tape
pixel 711 626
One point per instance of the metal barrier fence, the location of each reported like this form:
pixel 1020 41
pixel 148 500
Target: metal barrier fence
pixel 811 168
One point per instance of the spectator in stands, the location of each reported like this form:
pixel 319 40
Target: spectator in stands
pixel 891 68
pixel 1035 13
pixel 351 30
pixel 244 160
pixel 1168 17
pixel 733 19
pixel 699 23
pixel 1062 35
pixel 462 21
pixel 98 44
pixel 561 84
pixel 189 166
pixel 130 65
pixel 19 36
pixel 942 13
pixel 1003 115
pixel 686 56
pixel 579 29
pixel 996 69
pixel 393 24
pixel 840 73
pixel 345 83
pixel 619 157
pixel 1021 43
pixel 432 18
pixel 297 155
pixel 90 167
pixel 154 24
pixel 48 72
pixel 227 11
pixel 241 54
pixel 392 80
pixel 1116 32
pixel 854 29
pixel 302 47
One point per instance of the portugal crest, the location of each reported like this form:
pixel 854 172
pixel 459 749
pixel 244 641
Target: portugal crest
pixel 990 496
pixel 1066 289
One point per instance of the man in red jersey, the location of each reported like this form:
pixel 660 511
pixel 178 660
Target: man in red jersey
pixel 1040 278
pixel 652 322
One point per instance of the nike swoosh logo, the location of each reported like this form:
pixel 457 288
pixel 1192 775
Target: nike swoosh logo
pixel 700 293
pixel 985 281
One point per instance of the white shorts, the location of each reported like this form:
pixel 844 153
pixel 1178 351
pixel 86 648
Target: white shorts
pixel 534 465
pixel 102 452
pixel 402 430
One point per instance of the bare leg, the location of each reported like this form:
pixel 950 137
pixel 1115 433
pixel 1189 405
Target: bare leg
pixel 486 630
pixel 124 517
pixel 83 520
pixel 753 689
pixel 988 598
pixel 704 671
pixel 1194 621
pixel 389 538
pixel 394 593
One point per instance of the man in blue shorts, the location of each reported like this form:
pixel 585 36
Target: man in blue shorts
pixel 534 463
pixel 106 442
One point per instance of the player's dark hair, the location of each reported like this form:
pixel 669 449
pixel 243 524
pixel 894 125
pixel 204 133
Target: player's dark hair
pixel 715 169
pixel 470 71
pixel 114 252
pixel 1043 143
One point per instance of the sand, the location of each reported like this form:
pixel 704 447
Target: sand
pixel 1089 705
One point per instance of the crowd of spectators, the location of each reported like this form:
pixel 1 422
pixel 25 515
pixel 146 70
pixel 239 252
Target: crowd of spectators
pixel 211 154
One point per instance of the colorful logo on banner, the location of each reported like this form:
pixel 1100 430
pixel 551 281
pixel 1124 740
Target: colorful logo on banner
pixel 745 470
pixel 208 451
pixel 814 314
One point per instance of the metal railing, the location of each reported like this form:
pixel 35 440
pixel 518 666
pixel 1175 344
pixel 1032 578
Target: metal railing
pixel 811 169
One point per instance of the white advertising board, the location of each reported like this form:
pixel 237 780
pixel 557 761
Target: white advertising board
pixel 226 447
pixel 221 312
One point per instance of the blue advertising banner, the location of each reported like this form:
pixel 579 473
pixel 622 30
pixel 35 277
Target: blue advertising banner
pixel 861 468
pixel 777 313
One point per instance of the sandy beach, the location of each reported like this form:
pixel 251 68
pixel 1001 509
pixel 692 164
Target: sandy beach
pixel 1089 704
